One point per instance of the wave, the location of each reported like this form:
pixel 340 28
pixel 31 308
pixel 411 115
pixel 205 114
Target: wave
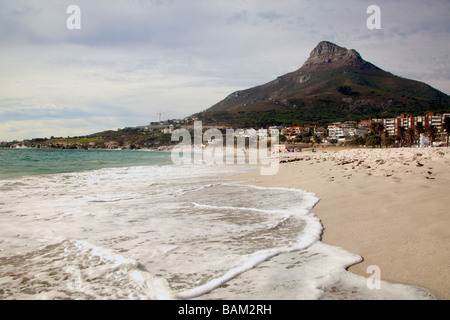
pixel 77 269
pixel 310 234
pixel 140 282
pixel 184 235
pixel 108 199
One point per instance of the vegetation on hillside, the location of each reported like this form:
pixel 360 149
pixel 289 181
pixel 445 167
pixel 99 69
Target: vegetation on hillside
pixel 128 138
pixel 322 111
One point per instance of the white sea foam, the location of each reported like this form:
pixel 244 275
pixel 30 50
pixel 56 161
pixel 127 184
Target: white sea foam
pixel 310 234
pixel 143 284
pixel 158 233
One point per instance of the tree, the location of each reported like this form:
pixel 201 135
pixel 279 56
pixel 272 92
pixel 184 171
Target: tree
pixel 373 141
pixel 377 128
pixel 419 128
pixel 344 90
pixel 306 139
pixel 432 132
pixel 411 136
pixel 400 135
pixel 333 141
pixel 388 142
pixel 318 139
pixel 447 127
pixel 358 141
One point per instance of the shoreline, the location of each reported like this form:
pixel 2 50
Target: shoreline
pixel 386 205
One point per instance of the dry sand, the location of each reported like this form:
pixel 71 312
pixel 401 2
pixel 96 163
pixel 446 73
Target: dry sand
pixel 390 206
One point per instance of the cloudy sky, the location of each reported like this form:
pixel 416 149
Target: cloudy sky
pixel 134 58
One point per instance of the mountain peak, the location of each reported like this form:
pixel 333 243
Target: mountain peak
pixel 327 52
pixel 326 47
pixel 311 92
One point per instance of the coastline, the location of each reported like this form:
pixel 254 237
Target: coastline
pixel 386 205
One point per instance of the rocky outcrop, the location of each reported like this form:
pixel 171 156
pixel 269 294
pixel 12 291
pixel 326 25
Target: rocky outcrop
pixel 65 145
pixel 112 144
pixel 327 52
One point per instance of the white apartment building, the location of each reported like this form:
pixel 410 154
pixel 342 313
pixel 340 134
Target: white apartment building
pixel 335 132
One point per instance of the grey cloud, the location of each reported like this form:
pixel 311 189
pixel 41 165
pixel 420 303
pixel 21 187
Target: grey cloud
pixel 271 15
pixel 238 17
pixel 134 57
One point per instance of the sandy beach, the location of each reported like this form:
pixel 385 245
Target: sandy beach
pixel 390 206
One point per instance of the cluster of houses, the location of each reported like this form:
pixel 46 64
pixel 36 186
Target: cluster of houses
pixel 334 132
pixel 348 130
pixel 339 131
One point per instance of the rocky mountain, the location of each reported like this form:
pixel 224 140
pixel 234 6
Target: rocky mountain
pixel 333 84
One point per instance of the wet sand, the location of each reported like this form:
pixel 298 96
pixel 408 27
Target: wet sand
pixel 390 206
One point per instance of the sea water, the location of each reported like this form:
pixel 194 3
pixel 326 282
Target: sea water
pixel 91 224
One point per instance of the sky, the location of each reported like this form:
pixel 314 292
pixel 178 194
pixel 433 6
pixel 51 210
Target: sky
pixel 132 59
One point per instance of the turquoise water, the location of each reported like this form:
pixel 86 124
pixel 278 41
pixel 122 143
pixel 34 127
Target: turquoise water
pixel 16 163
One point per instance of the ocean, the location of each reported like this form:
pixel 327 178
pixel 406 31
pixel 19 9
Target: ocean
pixel 99 224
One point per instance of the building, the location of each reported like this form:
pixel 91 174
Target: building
pixel 320 132
pixel 357 132
pixel 348 124
pixel 392 125
pixel 293 132
pixel 431 119
pixel 168 129
pixel 335 132
pixel 364 124
pixel 276 129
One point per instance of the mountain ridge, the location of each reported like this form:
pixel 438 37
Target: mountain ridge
pixel 333 80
